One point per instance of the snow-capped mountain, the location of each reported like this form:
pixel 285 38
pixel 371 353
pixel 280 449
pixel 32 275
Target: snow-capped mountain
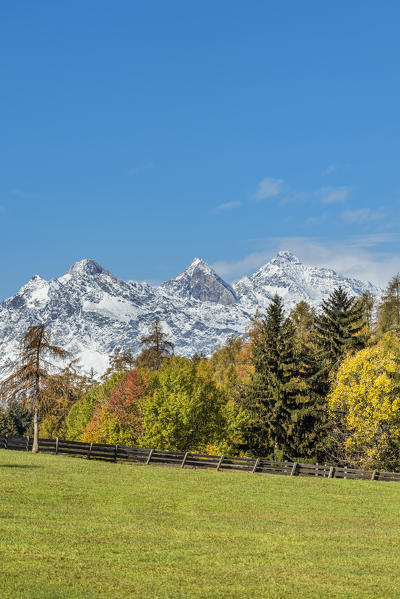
pixel 199 281
pixel 294 281
pixel 89 311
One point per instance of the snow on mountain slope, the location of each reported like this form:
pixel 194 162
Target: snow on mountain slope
pixel 89 311
pixel 294 281
pixel 199 281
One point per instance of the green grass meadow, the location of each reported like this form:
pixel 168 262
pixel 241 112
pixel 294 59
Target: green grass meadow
pixel 72 528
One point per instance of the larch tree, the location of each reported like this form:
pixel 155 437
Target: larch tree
pixel 27 377
pixel 388 318
pixel 156 348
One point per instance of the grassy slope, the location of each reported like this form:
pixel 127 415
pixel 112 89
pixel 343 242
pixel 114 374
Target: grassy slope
pixel 70 528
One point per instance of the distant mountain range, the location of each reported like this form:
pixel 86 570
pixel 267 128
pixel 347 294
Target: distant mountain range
pixel 89 311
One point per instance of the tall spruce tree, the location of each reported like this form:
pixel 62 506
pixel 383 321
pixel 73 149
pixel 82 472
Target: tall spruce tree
pixel 309 425
pixel 337 329
pixel 270 397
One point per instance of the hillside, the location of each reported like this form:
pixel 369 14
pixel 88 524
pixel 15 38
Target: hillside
pixel 72 529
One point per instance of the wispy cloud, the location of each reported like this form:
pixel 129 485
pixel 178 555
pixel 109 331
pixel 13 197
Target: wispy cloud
pixel 228 206
pixel 268 188
pixel 368 257
pixel 329 170
pixel 362 216
pixel 333 195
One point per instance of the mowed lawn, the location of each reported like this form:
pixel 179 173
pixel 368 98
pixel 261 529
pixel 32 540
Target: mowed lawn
pixel 72 528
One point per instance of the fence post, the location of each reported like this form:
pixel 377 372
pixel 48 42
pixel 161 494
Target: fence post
pixel 6 442
pixel 345 472
pixel 56 445
pixel 331 472
pixel 373 477
pixel 294 468
pixel 220 462
pixel 316 469
pixel 184 459
pixel 255 465
pixel 89 451
pixel 149 456
pixel 115 453
pixel 27 443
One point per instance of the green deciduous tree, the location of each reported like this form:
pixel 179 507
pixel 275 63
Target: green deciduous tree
pixel 185 409
pixel 82 411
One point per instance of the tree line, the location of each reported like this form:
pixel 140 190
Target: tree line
pixel 309 385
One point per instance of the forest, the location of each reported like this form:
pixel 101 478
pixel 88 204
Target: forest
pixel 312 385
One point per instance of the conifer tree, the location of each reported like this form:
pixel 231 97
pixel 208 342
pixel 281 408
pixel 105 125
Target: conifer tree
pixel 119 361
pixel 26 380
pixel 271 393
pixel 337 329
pixel 389 308
pixel 303 318
pixel 156 348
pixel 309 426
pixel 367 303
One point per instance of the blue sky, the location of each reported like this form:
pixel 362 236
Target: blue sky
pixel 143 134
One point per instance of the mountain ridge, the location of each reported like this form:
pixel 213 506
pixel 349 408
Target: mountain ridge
pixel 89 310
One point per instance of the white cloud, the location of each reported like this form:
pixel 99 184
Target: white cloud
pixel 333 195
pixel 363 215
pixel 329 170
pixel 367 258
pixel 268 188
pixel 236 269
pixel 228 206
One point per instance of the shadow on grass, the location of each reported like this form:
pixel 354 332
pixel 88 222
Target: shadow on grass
pixel 18 466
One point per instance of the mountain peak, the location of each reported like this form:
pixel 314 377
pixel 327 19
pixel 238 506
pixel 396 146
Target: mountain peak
pixel 199 281
pixel 86 266
pixel 284 255
pixel 196 265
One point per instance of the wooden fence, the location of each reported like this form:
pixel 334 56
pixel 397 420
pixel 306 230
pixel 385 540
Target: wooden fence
pixel 179 459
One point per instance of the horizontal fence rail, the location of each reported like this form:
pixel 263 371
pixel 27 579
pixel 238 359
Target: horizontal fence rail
pixel 187 459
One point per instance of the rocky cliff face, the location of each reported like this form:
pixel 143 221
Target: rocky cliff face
pixel 89 311
pixel 200 282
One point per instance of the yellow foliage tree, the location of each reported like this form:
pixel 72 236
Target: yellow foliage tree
pixel 365 406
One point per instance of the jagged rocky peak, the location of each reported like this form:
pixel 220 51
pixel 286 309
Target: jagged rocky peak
pixel 284 256
pixel 90 267
pixel 199 281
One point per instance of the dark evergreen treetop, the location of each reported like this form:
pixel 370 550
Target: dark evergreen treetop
pixel 270 396
pixel 338 326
